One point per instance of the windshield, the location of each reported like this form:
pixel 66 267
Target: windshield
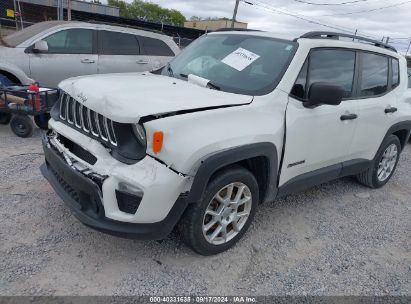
pixel 241 64
pixel 19 37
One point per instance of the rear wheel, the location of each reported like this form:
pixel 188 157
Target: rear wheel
pixel 5 118
pixel 224 214
pixel 22 125
pixel 384 164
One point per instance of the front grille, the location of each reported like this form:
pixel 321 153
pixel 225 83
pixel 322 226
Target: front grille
pixel 89 121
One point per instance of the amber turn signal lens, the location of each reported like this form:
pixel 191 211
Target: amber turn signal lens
pixel 158 138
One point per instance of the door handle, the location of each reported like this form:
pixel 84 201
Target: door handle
pixel 348 117
pixel 87 61
pixel 142 61
pixel 390 110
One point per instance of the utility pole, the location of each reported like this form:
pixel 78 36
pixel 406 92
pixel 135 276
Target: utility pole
pixel 21 17
pixel 62 9
pixel 69 10
pixel 235 13
pixel 58 9
pixel 15 18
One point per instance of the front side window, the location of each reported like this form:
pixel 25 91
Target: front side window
pixel 72 41
pixel 374 74
pixel 114 43
pixel 241 64
pixel 332 66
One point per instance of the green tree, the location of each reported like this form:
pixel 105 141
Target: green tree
pixel 148 11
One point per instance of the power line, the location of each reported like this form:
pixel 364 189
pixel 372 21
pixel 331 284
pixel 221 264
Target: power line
pixel 369 10
pixel 329 4
pixel 268 6
pixel 301 17
pixel 262 5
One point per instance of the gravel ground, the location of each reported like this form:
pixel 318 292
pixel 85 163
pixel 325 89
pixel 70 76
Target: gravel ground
pixel 337 239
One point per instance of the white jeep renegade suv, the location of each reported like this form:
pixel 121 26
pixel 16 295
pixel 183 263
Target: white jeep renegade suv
pixel 237 119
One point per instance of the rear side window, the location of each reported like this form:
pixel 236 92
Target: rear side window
pixel 374 74
pixel 115 43
pixel 395 72
pixel 332 66
pixel 155 47
pixel 72 41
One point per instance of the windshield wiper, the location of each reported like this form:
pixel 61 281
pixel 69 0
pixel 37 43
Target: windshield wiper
pixel 170 70
pixel 213 86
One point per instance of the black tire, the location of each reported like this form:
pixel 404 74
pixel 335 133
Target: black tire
pixel 42 121
pixel 192 221
pixel 5 118
pixel 22 126
pixel 369 177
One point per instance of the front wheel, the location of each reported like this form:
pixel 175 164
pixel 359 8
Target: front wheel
pixel 224 214
pixel 384 164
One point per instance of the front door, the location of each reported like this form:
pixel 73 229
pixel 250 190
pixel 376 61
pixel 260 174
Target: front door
pixel 71 52
pixel 318 139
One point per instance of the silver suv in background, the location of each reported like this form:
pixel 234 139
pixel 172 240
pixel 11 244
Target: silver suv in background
pixel 51 51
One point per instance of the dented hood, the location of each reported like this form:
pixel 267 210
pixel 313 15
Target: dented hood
pixel 127 97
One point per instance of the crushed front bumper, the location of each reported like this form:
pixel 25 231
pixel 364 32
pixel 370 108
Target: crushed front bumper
pixel 85 198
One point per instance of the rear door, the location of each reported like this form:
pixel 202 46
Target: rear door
pixel 318 139
pixel 71 52
pixel 119 53
pixel 377 99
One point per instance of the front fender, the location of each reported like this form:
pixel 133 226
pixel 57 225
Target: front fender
pixel 231 156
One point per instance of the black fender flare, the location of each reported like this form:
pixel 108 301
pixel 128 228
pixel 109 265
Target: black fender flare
pixel 231 156
pixel 403 125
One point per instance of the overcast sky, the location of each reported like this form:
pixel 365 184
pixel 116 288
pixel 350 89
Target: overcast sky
pixel 392 21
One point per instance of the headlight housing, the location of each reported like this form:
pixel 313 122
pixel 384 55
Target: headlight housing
pixel 140 134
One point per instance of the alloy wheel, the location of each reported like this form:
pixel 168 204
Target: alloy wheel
pixel 227 213
pixel 387 163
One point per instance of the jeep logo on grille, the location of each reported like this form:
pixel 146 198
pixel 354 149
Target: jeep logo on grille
pixel 82 97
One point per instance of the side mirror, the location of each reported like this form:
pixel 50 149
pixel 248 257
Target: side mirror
pixel 40 47
pixel 324 93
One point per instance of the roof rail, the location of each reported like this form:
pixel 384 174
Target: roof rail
pixel 228 29
pixel 332 35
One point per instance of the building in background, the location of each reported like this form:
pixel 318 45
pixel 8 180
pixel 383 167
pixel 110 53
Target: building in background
pixel 214 24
